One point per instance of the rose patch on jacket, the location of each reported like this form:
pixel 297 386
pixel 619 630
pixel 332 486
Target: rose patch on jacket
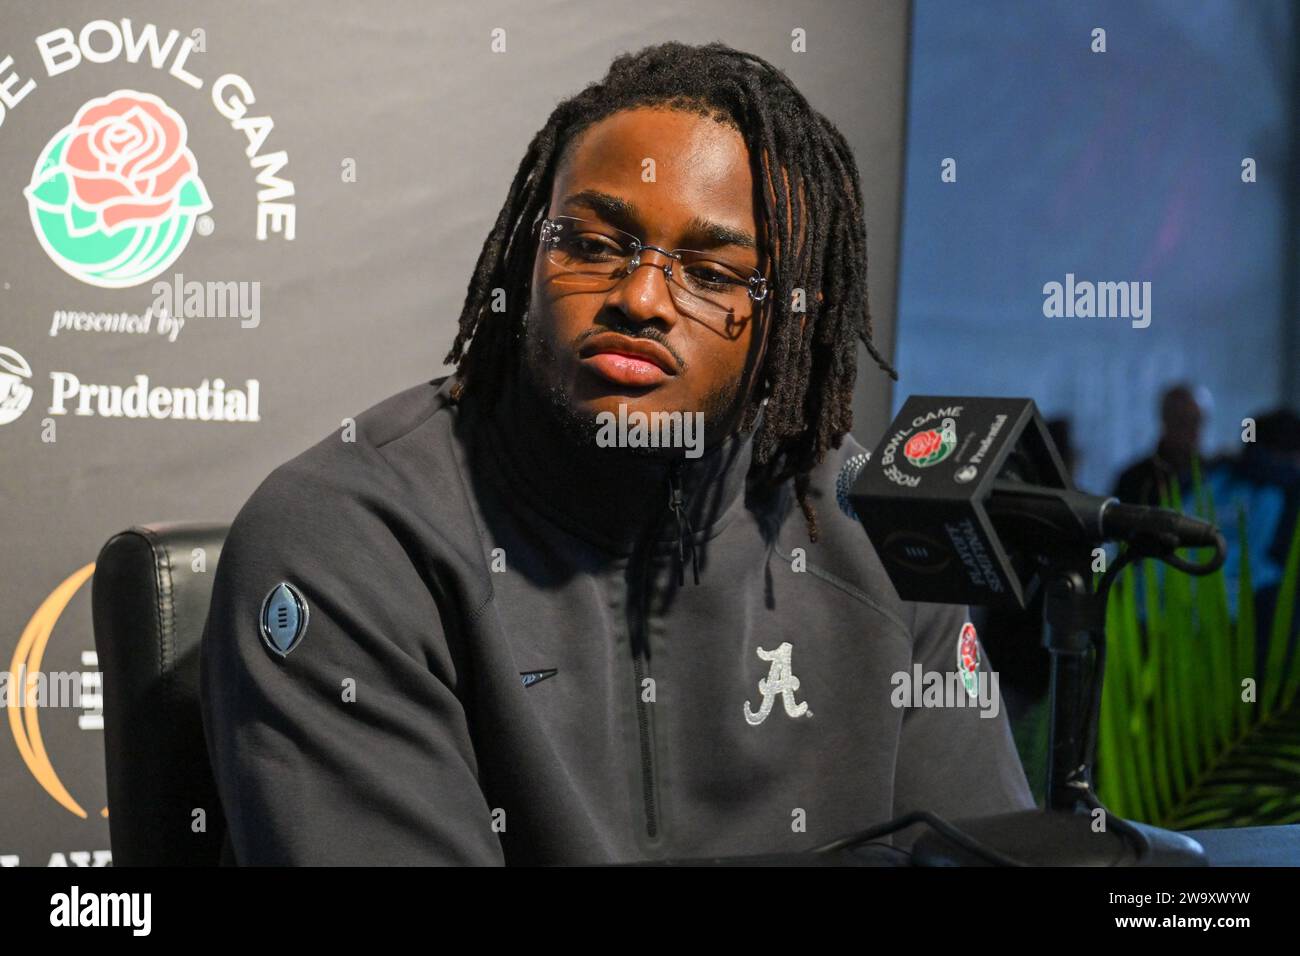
pixel 968 658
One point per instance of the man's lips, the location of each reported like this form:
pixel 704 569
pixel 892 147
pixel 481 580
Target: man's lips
pixel 626 361
pixel 624 369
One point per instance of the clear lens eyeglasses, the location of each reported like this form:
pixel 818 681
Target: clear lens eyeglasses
pixel 591 256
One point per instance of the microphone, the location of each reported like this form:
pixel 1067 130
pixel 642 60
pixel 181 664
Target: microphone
pixel 1029 513
pixel 845 479
pixel 966 501
pixel 964 498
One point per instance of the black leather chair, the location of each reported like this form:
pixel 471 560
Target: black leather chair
pixel 149 607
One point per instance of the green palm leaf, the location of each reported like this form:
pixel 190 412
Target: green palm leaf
pixel 1191 736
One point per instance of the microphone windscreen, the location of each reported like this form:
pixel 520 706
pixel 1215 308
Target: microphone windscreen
pixel 844 481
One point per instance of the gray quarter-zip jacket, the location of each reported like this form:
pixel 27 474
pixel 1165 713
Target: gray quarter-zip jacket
pixel 499 654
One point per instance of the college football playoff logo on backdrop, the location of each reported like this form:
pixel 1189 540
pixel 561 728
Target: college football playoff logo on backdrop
pixel 115 194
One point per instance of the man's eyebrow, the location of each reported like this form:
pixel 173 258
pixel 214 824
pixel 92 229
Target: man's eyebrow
pixel 707 234
pixel 618 211
pixel 701 233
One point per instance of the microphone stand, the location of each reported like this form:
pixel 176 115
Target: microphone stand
pixel 1074 828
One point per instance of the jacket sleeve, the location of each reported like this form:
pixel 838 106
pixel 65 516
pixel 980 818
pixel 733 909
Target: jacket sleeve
pixel 954 761
pixel 354 748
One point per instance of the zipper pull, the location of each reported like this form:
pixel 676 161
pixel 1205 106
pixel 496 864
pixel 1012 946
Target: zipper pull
pixel 685 535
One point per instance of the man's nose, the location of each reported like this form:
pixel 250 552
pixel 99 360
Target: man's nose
pixel 643 294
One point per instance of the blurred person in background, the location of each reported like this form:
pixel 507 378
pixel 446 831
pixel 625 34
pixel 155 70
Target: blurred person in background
pixel 1183 411
pixel 1260 487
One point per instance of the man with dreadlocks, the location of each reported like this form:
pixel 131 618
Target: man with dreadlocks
pixel 480 634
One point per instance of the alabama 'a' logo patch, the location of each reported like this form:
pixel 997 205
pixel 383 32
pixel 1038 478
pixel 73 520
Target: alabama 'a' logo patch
pixel 780 681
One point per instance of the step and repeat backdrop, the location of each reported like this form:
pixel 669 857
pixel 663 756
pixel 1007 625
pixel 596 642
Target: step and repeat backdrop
pixel 227 226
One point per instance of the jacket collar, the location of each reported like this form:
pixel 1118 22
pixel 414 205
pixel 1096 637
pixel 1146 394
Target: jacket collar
pixel 609 497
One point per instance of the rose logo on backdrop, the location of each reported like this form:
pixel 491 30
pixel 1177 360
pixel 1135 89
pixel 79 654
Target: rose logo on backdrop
pixel 115 194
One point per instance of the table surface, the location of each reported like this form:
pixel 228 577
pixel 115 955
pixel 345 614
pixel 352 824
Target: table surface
pixel 1251 846
pixel 1241 846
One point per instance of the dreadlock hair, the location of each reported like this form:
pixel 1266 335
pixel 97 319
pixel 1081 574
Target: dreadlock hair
pixel 818 243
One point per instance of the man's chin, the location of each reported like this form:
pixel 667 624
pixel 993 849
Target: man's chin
pixel 648 403
pixel 592 422
pixel 589 416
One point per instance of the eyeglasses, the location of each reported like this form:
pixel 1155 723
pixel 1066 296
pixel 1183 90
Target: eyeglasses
pixel 592 256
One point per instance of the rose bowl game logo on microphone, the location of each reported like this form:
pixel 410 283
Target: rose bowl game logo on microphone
pixel 932 446
pixel 115 194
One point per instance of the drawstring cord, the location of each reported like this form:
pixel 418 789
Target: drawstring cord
pixel 685 534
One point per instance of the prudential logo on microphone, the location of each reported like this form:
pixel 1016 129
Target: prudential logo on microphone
pixel 1074 299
